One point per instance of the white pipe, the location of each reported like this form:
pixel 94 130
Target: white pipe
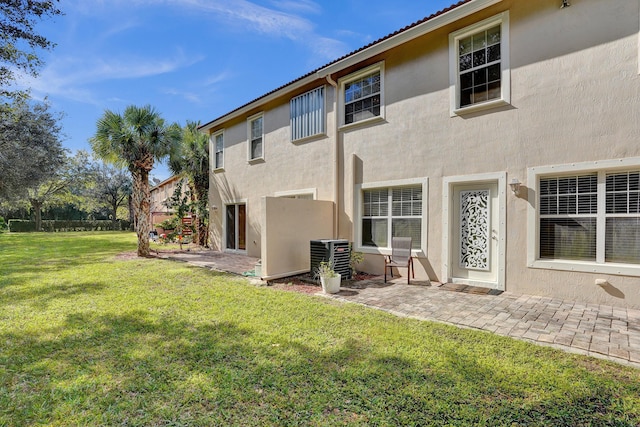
pixel 336 171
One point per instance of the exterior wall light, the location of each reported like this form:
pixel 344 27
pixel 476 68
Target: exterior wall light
pixel 515 186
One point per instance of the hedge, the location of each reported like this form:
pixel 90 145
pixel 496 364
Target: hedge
pixel 22 226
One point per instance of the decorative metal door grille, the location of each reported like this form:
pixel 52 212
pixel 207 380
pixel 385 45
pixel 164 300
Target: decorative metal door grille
pixel 474 229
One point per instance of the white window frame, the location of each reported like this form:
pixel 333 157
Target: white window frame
pixel 358 212
pixel 213 149
pixel 379 67
pixel 310 121
pixel 533 217
pixel 250 120
pixel 454 72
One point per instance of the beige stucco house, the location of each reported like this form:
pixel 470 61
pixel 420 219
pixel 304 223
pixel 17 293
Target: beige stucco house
pixel 160 194
pixel 503 136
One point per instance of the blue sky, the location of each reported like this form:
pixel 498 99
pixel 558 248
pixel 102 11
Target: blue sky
pixel 197 59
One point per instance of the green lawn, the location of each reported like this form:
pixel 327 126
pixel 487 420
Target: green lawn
pixel 89 339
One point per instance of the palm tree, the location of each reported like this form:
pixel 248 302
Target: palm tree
pixel 190 160
pixel 136 139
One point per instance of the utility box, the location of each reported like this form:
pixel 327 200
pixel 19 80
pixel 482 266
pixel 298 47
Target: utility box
pixel 335 251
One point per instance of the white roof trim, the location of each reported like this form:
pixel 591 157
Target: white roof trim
pixel 410 34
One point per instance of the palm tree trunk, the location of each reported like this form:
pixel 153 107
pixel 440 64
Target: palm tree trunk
pixel 203 232
pixel 141 206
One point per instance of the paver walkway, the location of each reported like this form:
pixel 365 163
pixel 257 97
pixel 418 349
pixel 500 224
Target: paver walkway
pixel 231 263
pixel 597 330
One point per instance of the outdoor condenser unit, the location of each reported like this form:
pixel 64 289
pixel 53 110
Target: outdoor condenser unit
pixel 336 251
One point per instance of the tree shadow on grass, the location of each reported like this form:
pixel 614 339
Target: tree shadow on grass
pixel 44 266
pixel 40 254
pixel 27 282
pixel 41 296
pixel 147 368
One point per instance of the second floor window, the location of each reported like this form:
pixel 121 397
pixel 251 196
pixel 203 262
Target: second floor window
pixel 479 55
pixel 256 138
pixel 218 143
pixel 362 95
pixel 479 66
pixel 307 114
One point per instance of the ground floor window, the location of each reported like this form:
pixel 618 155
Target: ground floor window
pixel 591 216
pixel 391 212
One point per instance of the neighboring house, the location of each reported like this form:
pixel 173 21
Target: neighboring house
pixel 160 195
pixel 422 133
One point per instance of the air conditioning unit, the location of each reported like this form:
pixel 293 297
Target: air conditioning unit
pixel 335 251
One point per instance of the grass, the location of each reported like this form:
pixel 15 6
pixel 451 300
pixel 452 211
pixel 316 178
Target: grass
pixel 88 339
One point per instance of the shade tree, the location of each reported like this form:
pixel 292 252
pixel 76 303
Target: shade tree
pixel 136 139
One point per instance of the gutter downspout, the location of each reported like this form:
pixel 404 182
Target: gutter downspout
pixel 336 146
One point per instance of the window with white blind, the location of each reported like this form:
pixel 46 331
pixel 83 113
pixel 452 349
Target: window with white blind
pixel 218 150
pixel 256 137
pixel 568 217
pixel 391 212
pixel 590 216
pixel 307 114
pixel 622 217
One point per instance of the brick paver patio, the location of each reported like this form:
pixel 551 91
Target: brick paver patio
pixel 230 263
pixel 597 330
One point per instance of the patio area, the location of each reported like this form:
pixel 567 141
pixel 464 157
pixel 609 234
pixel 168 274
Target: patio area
pixel 219 261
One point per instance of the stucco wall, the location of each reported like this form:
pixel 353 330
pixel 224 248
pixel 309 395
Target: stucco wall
pixel 287 167
pixel 575 97
pixel 288 225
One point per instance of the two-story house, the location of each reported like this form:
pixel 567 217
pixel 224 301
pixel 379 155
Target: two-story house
pixel 161 193
pixel 503 136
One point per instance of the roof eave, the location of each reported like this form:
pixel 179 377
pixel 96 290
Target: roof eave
pixel 258 102
pixel 419 30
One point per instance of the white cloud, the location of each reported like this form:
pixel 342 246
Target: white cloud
pixel 284 19
pixel 276 23
pixel 259 18
pixel 69 77
pixel 325 48
pixel 302 6
pixel 189 96
pixel 217 78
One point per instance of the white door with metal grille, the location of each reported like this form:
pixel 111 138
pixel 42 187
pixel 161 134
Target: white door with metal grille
pixel 475 234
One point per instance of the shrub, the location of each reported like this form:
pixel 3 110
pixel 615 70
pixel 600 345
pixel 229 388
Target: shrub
pixel 22 226
pixel 355 258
